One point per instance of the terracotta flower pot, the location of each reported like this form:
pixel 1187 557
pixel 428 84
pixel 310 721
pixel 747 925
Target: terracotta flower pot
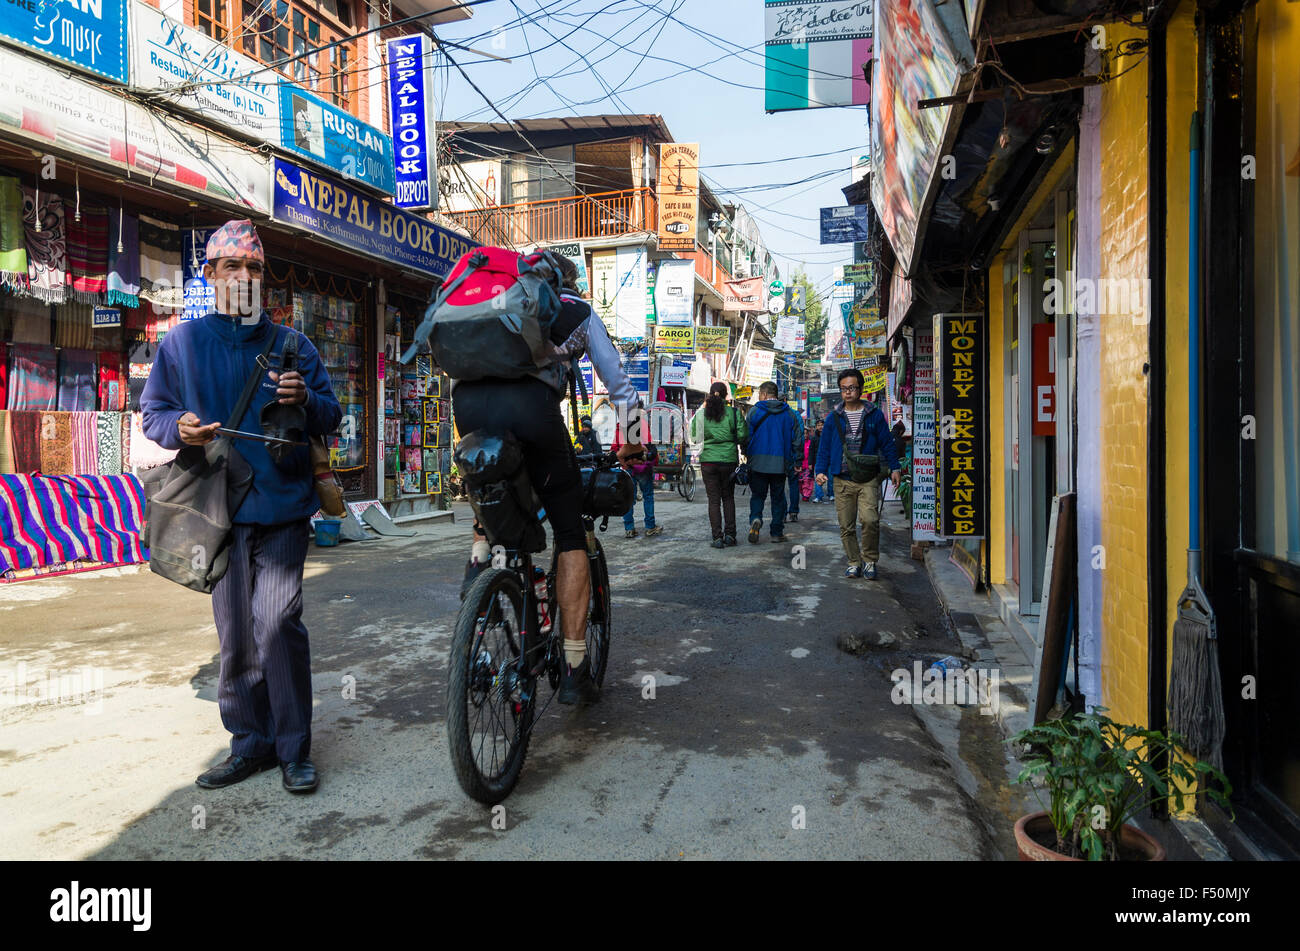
pixel 1035 828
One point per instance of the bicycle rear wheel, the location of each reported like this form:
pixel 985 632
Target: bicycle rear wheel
pixel 598 613
pixel 490 703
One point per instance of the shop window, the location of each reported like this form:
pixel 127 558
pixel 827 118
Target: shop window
pixel 1277 273
pixel 210 17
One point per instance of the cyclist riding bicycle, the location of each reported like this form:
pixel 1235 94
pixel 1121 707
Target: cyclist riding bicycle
pixel 529 408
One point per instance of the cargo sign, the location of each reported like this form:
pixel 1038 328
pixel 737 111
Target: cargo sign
pixel 674 339
pixel 326 134
pixel 961 381
pixel 346 217
pixel 89 34
pixel 410 100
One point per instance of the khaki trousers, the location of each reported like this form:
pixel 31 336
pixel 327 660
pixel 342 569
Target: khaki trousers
pixel 856 502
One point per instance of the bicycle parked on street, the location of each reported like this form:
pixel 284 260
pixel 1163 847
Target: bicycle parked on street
pixel 507 646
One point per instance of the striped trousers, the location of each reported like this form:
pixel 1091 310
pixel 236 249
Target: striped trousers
pixel 264 691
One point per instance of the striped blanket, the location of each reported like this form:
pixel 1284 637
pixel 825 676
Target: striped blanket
pixel 46 520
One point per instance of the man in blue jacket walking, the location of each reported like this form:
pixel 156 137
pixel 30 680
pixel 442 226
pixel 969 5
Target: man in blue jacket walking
pixel 858 427
pixel 264 691
pixel 772 429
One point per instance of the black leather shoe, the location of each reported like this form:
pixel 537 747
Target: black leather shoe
pixel 234 770
pixel 300 777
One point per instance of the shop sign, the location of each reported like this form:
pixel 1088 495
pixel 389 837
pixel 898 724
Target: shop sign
pixel 844 225
pixel 679 195
pixel 789 335
pixel 674 339
pixel 961 383
pixel 89 34
pixel 236 91
pixel 742 392
pixel 712 339
pixel 326 134
pixel 629 299
pixel 1044 379
pixel 674 293
pixel 874 379
pixel 411 105
pixel 637 370
pixel 758 366
pixel 43 106
pixel 923 488
pixel 469 186
pixel 674 375
pixel 743 295
pixel 815 53
pixel 106 317
pixel 344 216
pixel 863 273
pixel 573 251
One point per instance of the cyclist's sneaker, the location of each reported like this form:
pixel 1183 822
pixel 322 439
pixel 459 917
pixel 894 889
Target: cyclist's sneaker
pixel 576 683
pixel 657 530
pixel 472 570
pixel 869 571
pixel 754 526
pixel 630 533
pixel 718 543
pixel 853 571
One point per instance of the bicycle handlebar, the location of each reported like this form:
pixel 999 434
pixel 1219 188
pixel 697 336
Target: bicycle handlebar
pixel 601 460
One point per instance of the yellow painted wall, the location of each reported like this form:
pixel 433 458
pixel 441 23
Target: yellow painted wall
pixel 1123 339
pixel 1181 79
pixel 998 521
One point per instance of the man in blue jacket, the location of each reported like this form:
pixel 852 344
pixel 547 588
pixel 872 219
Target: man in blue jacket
pixel 860 428
pixel 264 691
pixel 772 429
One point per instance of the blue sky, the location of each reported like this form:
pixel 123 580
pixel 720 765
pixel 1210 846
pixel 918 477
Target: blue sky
pixel 717 111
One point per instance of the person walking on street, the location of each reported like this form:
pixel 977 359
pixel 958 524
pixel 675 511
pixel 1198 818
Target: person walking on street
pixel 588 441
pixel 642 469
pixel 264 689
pixel 794 469
pixel 772 429
pixel 721 429
pixel 855 429
pixel 821 493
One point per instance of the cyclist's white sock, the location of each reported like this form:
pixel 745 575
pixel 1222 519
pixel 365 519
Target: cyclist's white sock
pixel 481 552
pixel 574 652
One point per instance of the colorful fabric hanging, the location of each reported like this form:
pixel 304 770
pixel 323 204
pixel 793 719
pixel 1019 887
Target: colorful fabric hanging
pixel 56 444
pixel 4 374
pixel 112 381
pixel 47 249
pixel 85 444
pixel 124 265
pixel 33 377
pixel 25 441
pixel 6 448
pixel 88 255
pixel 78 380
pixel 108 443
pixel 160 263
pixel 126 441
pixel 145 453
pixel 57 520
pixel 31 320
pixel 74 326
pixel 13 237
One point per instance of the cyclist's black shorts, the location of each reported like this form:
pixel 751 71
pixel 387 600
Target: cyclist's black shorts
pixel 531 410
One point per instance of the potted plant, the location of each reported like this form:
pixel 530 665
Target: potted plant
pixel 1098 775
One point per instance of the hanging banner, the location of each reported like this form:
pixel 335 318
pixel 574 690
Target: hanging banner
pixel 319 131
pixel 923 487
pixel 604 289
pixel 674 293
pixel 961 385
pixel 469 186
pixel 411 106
pixel 679 195
pixel 865 315
pixel 758 367
pixel 43 106
pixel 712 339
pixel 90 34
pixel 789 334
pixel 844 225
pixel 344 216
pixel 674 339
pixel 744 295
pixel 629 304
pixel 815 53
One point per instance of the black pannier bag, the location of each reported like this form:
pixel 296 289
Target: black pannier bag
pixel 606 492
pixel 505 505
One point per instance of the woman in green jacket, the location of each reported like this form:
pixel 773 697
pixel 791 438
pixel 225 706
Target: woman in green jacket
pixel 721 429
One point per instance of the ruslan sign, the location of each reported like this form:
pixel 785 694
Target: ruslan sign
pixel 679 195
pixel 410 100
pixel 326 134
pixel 960 383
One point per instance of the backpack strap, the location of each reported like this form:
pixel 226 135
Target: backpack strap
pixel 250 386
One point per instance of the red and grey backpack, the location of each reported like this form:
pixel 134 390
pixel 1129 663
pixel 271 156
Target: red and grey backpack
pixel 493 316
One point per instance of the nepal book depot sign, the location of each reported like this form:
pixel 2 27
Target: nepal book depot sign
pixel 961 386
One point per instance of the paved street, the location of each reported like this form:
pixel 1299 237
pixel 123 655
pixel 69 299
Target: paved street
pixel 757 719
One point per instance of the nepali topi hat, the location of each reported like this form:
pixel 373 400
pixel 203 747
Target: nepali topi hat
pixel 235 239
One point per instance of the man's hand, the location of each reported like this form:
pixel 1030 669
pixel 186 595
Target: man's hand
pixel 821 478
pixel 292 387
pixel 896 477
pixel 192 433
pixel 630 449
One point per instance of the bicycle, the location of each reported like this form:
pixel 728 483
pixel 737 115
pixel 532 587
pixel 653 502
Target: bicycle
pixel 507 640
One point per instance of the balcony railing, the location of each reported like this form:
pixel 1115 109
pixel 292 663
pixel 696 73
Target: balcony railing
pixel 599 215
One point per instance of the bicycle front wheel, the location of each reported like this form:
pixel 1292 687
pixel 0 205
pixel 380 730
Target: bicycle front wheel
pixel 490 701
